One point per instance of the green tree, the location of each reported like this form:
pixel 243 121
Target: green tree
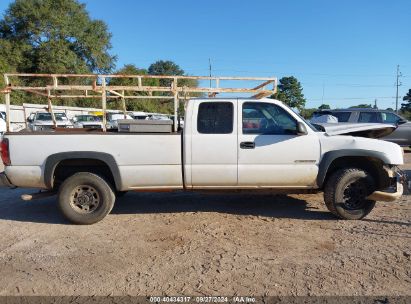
pixel 52 36
pixel 167 67
pixel 146 105
pixel 324 107
pixel 307 113
pixel 290 92
pixel 406 106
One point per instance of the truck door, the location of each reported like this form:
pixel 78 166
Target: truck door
pixel 214 144
pixel 270 153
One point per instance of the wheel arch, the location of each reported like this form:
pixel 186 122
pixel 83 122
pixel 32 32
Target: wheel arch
pixel 372 161
pixel 87 157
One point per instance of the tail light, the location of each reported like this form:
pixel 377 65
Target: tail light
pixel 5 152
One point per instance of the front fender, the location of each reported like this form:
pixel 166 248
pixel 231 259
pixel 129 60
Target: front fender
pixel 330 156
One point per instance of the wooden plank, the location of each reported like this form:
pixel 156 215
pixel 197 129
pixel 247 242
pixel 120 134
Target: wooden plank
pixel 140 76
pixel 175 93
pixel 7 100
pixel 123 103
pixel 50 109
pixel 263 84
pixel 104 103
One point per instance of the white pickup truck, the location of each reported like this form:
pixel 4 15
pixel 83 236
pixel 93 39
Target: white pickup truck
pixel 226 144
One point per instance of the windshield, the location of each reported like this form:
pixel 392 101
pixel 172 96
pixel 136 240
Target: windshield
pixel 47 116
pixel 312 127
pixel 85 118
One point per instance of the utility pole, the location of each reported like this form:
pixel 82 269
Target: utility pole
pixel 398 83
pixel 375 104
pixel 209 67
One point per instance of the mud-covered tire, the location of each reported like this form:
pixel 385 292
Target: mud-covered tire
pixel 85 198
pixel 345 193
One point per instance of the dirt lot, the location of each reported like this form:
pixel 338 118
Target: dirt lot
pixel 191 244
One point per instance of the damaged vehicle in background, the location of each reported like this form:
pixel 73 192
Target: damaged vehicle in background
pixel 367 116
pixel 43 121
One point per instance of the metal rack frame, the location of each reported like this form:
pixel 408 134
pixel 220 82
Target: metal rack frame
pixel 101 89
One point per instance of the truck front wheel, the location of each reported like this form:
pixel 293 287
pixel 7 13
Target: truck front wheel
pixel 345 193
pixel 85 198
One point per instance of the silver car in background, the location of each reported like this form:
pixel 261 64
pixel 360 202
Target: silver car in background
pixel 401 135
pixel 42 121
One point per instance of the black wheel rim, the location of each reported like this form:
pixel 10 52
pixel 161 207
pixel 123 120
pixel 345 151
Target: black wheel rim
pixel 355 195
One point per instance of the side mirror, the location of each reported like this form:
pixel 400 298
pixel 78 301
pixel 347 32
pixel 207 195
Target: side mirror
pixel 319 127
pixel 301 129
pixel 401 121
pixel 29 119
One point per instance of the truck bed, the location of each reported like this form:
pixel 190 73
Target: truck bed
pixel 144 159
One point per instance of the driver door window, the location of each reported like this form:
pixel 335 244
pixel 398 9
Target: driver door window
pixel 267 119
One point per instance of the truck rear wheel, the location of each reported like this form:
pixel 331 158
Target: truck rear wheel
pixel 345 193
pixel 85 198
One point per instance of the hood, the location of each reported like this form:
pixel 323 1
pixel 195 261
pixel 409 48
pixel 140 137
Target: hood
pixel 370 130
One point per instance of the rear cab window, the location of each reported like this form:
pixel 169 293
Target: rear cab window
pixel 215 118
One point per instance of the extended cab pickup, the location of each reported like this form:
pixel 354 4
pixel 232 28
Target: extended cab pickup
pixel 226 144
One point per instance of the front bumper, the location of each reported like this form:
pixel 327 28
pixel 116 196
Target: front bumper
pixel 4 181
pixel 392 194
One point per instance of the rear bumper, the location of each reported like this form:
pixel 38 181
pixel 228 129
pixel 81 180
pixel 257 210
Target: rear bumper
pixel 4 181
pixel 392 194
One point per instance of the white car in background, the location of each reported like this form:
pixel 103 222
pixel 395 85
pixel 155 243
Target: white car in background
pixel 112 120
pixel 42 121
pixel 3 128
pixel 87 121
pixel 139 115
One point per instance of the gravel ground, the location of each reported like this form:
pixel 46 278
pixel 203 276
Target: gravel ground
pixel 192 244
